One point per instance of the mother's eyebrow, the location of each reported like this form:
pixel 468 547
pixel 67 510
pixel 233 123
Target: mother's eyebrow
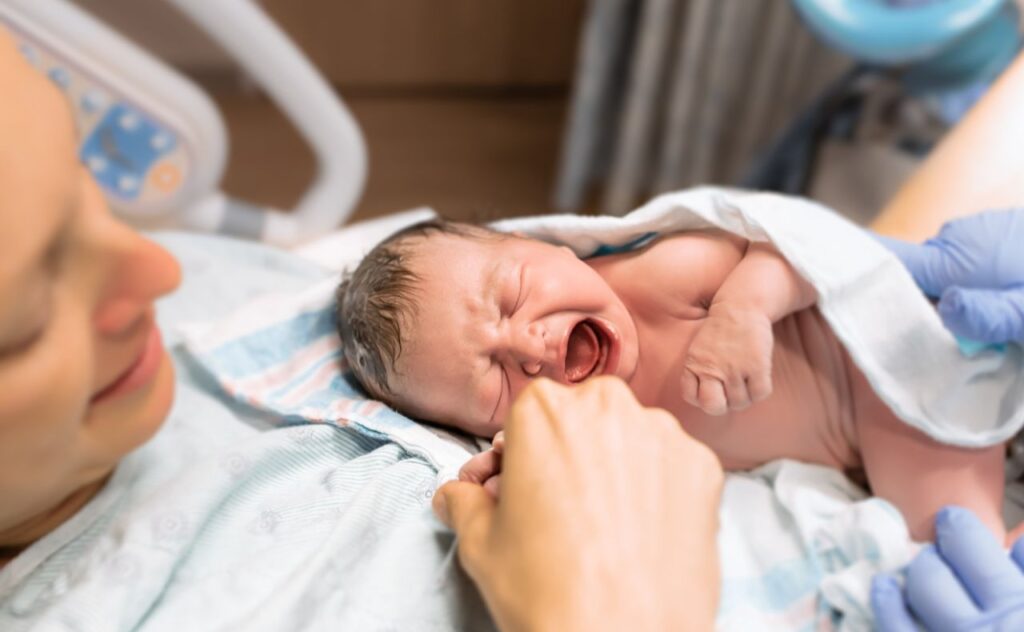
pixel 38 255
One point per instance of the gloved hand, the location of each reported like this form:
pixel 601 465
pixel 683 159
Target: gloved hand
pixel 965 582
pixel 975 267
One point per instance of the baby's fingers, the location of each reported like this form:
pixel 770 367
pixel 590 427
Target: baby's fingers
pixel 711 396
pixel 690 385
pixel 481 467
pixel 759 386
pixel 736 393
pixel 493 485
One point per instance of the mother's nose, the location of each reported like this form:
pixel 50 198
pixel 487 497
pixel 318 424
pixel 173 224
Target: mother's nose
pixel 140 272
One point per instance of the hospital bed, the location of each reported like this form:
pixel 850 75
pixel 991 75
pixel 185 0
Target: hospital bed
pixel 156 143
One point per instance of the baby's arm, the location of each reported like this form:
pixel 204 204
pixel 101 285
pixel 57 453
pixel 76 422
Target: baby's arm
pixel 764 282
pixel 920 476
pixel 728 364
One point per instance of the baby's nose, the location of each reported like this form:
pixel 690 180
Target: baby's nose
pixel 531 349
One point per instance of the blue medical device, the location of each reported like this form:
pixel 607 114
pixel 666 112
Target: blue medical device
pixel 933 45
pixel 945 50
pixel 156 143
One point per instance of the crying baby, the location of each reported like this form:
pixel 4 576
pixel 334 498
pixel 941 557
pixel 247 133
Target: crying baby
pixel 448 322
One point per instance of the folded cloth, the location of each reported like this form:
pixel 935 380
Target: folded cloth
pixel 798 542
pixel 281 355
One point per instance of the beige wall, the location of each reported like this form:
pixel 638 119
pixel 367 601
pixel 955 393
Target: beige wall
pixel 389 43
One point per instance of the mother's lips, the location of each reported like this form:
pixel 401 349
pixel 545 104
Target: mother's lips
pixel 140 371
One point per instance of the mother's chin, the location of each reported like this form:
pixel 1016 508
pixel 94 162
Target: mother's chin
pixel 117 425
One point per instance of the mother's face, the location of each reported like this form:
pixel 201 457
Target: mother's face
pixel 83 378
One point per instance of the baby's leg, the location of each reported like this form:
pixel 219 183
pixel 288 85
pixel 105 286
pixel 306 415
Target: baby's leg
pixel 920 475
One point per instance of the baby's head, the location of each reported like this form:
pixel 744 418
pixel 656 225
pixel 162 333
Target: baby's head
pixel 449 322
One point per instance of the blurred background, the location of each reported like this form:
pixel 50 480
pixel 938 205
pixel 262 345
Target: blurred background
pixel 485 109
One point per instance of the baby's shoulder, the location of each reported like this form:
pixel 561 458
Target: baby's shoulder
pixel 669 276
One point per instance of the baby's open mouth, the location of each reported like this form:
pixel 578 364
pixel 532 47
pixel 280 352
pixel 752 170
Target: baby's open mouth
pixel 586 351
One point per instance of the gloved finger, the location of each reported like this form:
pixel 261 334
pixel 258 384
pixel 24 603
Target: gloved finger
pixel 935 595
pixel 930 265
pixel 1017 553
pixel 711 395
pixel 984 315
pixel 891 612
pixel 977 558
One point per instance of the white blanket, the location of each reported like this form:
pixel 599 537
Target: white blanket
pixel 799 543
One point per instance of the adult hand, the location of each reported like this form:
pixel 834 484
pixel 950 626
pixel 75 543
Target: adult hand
pixel 965 582
pixel 975 267
pixel 606 520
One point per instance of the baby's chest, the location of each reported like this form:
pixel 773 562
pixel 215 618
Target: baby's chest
pixel 807 416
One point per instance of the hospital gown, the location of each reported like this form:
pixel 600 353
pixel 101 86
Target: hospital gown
pixel 222 521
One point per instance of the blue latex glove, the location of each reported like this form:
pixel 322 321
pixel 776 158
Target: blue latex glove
pixel 975 267
pixel 965 582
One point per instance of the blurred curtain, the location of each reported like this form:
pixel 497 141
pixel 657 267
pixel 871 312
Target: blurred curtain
pixel 672 93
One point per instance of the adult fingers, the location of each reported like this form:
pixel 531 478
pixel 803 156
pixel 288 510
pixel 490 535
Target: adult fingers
pixel 985 315
pixel 977 558
pixel 891 612
pixel 468 510
pixel 926 262
pixel 935 594
pixel 481 467
pixel 1017 553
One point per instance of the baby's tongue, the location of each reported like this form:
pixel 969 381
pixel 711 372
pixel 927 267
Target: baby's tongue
pixel 582 354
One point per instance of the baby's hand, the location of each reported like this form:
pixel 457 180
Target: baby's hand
pixel 485 468
pixel 729 363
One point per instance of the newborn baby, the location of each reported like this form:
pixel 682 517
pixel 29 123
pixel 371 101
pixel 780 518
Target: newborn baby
pixel 448 322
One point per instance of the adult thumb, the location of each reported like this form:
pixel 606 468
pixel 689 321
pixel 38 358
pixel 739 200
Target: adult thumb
pixel 991 316
pixel 466 508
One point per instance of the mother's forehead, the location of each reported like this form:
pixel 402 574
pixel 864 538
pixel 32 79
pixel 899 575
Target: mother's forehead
pixel 38 163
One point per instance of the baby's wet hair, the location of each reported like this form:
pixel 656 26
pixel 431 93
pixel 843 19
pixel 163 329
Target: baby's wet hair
pixel 376 301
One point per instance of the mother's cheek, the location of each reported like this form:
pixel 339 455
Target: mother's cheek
pixel 45 394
